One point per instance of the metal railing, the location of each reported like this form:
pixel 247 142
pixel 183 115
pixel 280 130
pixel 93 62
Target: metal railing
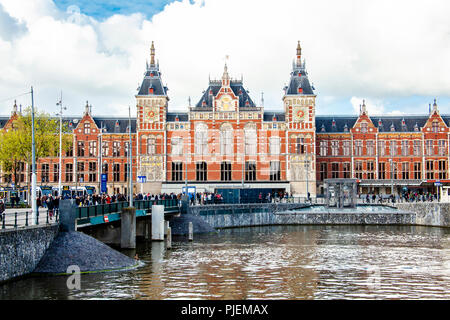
pixel 23 219
pixel 115 207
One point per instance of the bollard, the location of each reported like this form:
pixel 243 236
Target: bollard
pixel 128 228
pixel 3 221
pixel 15 220
pixel 47 215
pixel 166 226
pixel 169 238
pixel 191 231
pixel 26 219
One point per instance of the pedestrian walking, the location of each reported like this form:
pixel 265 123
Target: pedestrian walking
pixel 2 209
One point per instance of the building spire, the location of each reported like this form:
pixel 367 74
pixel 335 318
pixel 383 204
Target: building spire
pixel 299 54
pixel 225 76
pixel 152 55
pixel 363 107
pixel 14 107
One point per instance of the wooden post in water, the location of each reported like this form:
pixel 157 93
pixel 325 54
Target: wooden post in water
pixel 191 231
pixel 169 238
pixel 158 222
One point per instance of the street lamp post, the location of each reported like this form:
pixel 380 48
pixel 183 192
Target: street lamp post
pixel 60 144
pixel 34 214
pixel 130 166
pixel 307 173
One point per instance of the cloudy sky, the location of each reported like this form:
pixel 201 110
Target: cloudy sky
pixel 393 54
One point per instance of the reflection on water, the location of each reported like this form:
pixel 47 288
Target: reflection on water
pixel 274 262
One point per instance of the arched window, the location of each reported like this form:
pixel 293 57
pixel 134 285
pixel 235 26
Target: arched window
pixel 151 145
pixel 226 139
pixel 201 139
pixel 250 139
pixel 177 146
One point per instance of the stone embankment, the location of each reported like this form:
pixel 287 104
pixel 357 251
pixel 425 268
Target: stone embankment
pixel 436 214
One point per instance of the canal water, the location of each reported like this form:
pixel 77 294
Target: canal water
pixel 272 262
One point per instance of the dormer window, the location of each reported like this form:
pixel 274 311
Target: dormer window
pixel 392 128
pixel 204 103
pixel 210 92
pixel 299 74
pixel 151 74
pixel 177 119
pixel 322 129
pixel 416 127
pixel 274 118
pixel 300 90
pixel 345 128
pixel 150 90
pixel 247 103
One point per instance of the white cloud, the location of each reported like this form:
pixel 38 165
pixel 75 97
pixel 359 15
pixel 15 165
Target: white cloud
pixel 375 49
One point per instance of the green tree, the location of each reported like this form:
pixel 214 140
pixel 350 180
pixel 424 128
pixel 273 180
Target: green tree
pixel 15 144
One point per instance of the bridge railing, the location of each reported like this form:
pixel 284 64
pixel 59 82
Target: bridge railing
pixel 23 218
pixel 115 207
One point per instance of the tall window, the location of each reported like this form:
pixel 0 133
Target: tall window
pixel 335 170
pixel 250 140
pixel 225 171
pixel 92 171
pixel 201 171
pixel 80 149
pixel 346 148
pixel 69 152
pixel 417 170
pixel 346 170
pixel 323 171
pixel 442 147
pixel 405 170
pixel 358 169
pixel 177 146
pixel 125 172
pixel 435 127
pixel 87 128
pixel 126 149
pixel 323 148
pixel 275 173
pixel 381 170
pixel 370 170
pixel 301 148
pixel 151 145
pixel 335 148
pixel 393 147
pixel 80 171
pixel 405 151
pixel 116 172
pixel 358 147
pixel 429 147
pixel 274 145
pixel 201 139
pixel 250 171
pixel 442 166
pixel 116 149
pixel 363 127
pixel 69 172
pixel 105 148
pixel 430 169
pixel 92 148
pixel 226 139
pixel 381 148
pixel 45 172
pixel 370 148
pixel 417 148
pixel 177 171
pixel 56 172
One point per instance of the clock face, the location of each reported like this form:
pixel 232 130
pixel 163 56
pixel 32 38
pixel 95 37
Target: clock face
pixel 299 114
pixel 150 114
pixel 226 103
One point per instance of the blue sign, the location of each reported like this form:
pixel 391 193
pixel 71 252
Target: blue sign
pixel 103 188
pixel 142 179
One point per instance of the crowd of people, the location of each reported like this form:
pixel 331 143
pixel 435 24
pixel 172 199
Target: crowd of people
pixel 405 197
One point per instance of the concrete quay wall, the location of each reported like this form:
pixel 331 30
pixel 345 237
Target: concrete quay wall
pixel 21 249
pixel 436 214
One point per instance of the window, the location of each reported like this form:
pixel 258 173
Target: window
pixel 435 127
pixel 358 170
pixel 126 149
pixel 201 139
pixel 116 149
pixel 393 148
pixel 370 170
pixel 177 146
pixel 80 171
pixel 225 171
pixel 381 148
pixel 80 150
pixel 69 172
pixel 334 148
pixel 201 171
pixel 92 171
pixel 301 148
pixel 45 172
pixel 323 148
pixel 335 170
pixel 250 140
pixel 430 170
pixel 381 170
pixel 126 173
pixel 417 148
pixel 363 127
pixel 442 147
pixel 405 151
pixel 87 128
pixel 429 147
pixel 346 146
pixel 323 171
pixel 405 170
pixel 92 148
pixel 56 172
pixel 151 145
pixel 358 147
pixel 69 152
pixel 417 170
pixel 442 166
pixel 250 171
pixel 226 139
pixel 346 170
pixel 105 148
pixel 274 145
pixel 370 148
pixel 275 174
pixel 116 172
pixel 177 171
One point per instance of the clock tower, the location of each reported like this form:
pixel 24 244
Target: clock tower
pixel 299 102
pixel 151 103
